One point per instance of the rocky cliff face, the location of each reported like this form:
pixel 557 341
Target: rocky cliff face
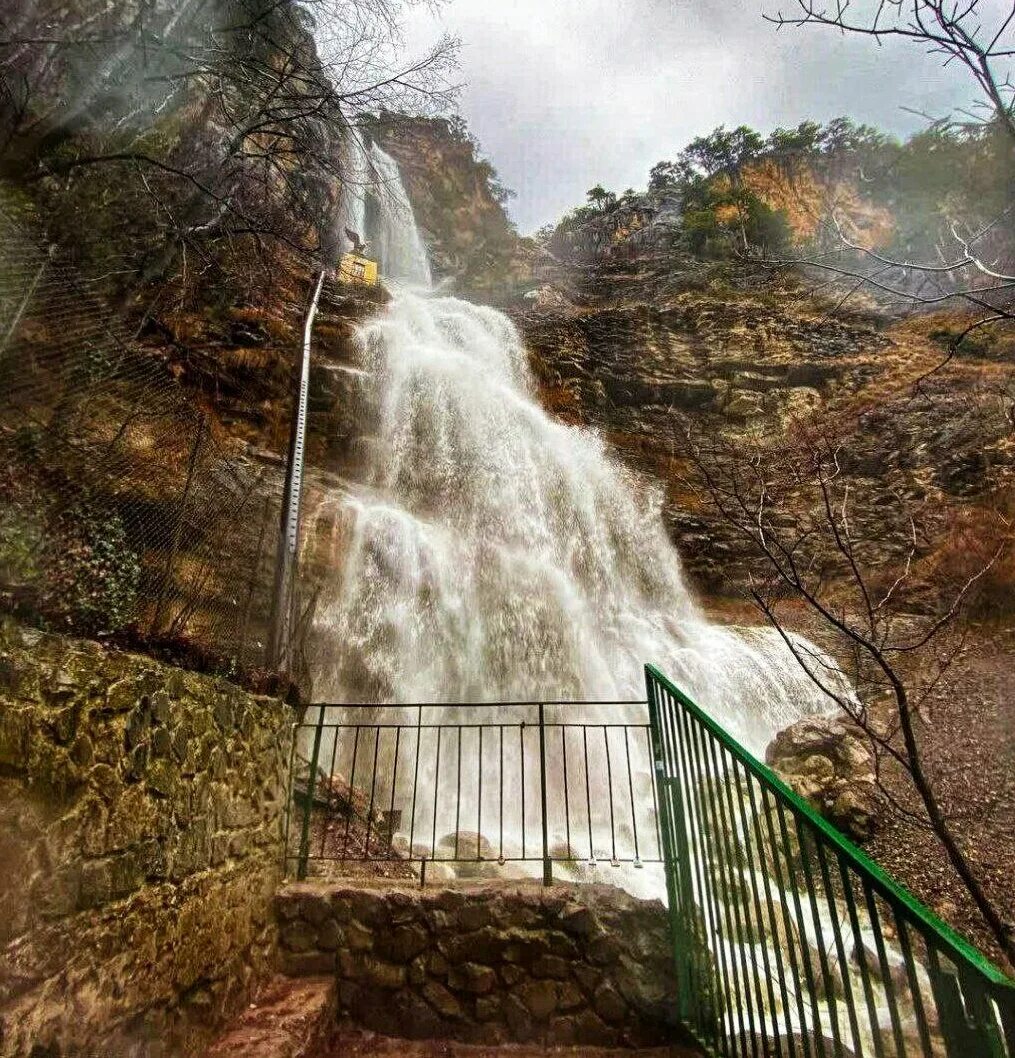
pixel 656 352
pixel 459 205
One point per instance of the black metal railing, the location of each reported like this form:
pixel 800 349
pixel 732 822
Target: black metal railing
pixel 493 783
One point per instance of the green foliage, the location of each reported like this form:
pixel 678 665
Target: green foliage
pixel 20 541
pixel 92 575
pixel 723 151
pixel 602 199
pixel 766 228
pixel 939 177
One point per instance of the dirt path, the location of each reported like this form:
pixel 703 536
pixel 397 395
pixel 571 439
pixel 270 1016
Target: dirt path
pixel 368 1045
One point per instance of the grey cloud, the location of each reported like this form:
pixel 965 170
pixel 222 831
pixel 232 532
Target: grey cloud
pixel 567 93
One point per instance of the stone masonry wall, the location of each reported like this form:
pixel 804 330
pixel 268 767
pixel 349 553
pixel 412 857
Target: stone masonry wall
pixel 141 814
pixel 489 962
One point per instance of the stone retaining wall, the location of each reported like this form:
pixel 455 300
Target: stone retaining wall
pixel 141 814
pixel 488 962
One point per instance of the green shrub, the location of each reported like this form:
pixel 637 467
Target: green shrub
pixel 92 575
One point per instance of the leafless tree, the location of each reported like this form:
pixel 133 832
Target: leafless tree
pixel 843 563
pixel 231 115
pixel 973 269
pixel 967 32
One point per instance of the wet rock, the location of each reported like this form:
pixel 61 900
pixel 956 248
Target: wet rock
pixel 830 765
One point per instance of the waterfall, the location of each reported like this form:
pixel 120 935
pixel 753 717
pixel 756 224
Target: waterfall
pixel 491 552
pixel 487 552
pixel 375 206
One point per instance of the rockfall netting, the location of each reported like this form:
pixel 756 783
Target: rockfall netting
pixel 127 508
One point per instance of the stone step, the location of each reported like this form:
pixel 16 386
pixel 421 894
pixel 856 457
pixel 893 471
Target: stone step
pixel 355 1044
pixel 291 1019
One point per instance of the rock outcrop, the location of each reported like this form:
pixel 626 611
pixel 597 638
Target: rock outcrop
pixel 830 765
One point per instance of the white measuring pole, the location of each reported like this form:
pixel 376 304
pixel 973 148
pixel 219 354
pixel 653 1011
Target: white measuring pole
pixel 283 600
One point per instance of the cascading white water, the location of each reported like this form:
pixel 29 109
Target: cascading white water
pixel 492 553
pixel 375 206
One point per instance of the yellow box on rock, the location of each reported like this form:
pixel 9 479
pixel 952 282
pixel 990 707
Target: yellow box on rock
pixel 352 268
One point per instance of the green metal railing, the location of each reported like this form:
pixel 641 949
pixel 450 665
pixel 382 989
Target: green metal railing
pixel 788 940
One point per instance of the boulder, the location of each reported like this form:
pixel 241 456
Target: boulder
pixel 830 765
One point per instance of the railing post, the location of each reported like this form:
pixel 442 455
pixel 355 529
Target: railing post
pixel 676 856
pixel 304 854
pixel 547 864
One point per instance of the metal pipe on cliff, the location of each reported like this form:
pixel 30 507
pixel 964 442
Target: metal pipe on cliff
pixel 279 657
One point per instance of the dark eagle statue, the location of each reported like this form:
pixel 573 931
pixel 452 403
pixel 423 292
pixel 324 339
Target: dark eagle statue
pixel 358 245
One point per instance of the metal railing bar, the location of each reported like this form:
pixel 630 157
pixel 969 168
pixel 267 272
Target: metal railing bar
pixel 436 791
pixel 902 929
pixel 630 791
pixel 731 883
pixel 458 793
pixel 465 860
pixel 501 778
pixel 687 909
pixel 415 789
pixel 609 789
pixel 729 963
pixel 479 797
pixel 861 954
pixel 394 786
pixel 787 919
pixel 798 914
pixel 772 918
pixel 352 787
pixel 521 755
pixel 567 792
pixel 373 786
pixel 331 790
pixel 476 705
pixel 588 794
pixel 887 977
pixel 819 938
pixel 756 899
pixel 922 918
pixel 655 795
pixel 671 856
pixel 840 948
pixel 455 726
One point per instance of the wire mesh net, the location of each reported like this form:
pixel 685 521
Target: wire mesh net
pixel 127 509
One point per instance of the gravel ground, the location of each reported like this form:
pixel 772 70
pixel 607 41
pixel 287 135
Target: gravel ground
pixel 969 748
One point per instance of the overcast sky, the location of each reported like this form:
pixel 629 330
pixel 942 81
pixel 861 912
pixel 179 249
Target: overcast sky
pixel 564 94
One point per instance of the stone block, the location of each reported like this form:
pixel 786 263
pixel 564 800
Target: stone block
pixel 551 966
pixel 402 943
pixel 488 1008
pixel 471 977
pixel 539 997
pixel 578 920
pixel 518 1019
pixel 298 936
pixel 383 974
pixel 473 916
pixel 358 937
pixel 307 963
pixel 330 935
pixel 609 1004
pixel 443 1001
pixel 569 997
